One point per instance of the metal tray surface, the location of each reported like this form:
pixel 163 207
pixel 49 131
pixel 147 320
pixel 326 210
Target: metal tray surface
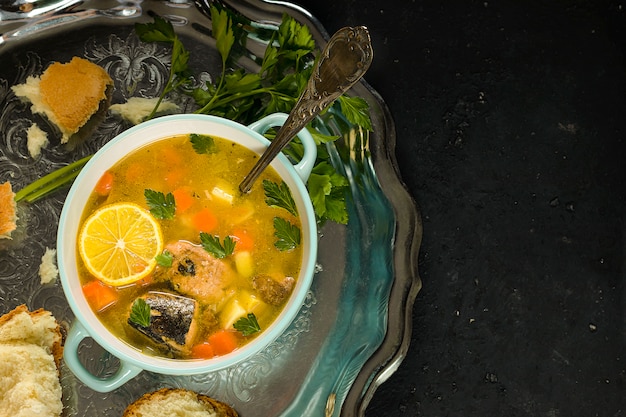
pixel 355 326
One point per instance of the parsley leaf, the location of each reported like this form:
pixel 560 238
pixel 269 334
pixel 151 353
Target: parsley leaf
pixel 279 195
pixel 161 30
pixel 288 235
pixel 222 32
pixel 327 190
pixel 356 111
pixel 202 143
pixel 140 313
pixel 165 259
pixel 246 96
pixel 212 244
pixel 162 206
pixel 247 325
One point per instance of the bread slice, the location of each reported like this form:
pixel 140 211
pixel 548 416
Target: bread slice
pixel 67 94
pixel 7 211
pixel 31 347
pixel 178 402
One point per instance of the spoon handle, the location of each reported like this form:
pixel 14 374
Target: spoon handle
pixel 343 62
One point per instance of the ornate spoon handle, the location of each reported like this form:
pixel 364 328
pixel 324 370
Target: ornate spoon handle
pixel 343 62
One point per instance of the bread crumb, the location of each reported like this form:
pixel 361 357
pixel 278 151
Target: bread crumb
pixel 136 109
pixel 36 140
pixel 48 271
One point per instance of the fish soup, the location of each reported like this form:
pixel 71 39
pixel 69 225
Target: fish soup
pixel 229 260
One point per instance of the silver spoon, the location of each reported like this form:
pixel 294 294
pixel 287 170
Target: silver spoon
pixel 343 62
pixel 123 11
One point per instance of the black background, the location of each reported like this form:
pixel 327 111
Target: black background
pixel 510 136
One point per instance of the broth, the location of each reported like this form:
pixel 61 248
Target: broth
pixel 252 283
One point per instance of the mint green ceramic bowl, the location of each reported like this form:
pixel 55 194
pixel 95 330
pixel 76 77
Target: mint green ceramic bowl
pixel 87 325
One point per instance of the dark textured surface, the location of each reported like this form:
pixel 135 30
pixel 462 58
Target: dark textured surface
pixel 510 121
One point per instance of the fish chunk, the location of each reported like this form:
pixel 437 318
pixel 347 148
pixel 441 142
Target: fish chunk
pixel 173 320
pixel 195 273
pixel 272 291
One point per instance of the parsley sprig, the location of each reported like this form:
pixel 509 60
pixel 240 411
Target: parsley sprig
pixel 288 234
pixel 202 144
pixel 162 206
pixel 161 30
pixel 247 325
pixel 245 96
pixel 212 244
pixel 140 313
pixel 279 195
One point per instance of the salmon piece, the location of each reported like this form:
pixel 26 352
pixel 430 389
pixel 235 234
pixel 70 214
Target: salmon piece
pixel 195 273
pixel 173 320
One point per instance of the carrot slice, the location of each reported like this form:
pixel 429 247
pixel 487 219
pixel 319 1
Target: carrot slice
pixel 243 239
pixel 99 295
pixel 184 199
pixel 104 184
pixel 174 177
pixel 205 220
pixel 223 341
pixel 134 172
pixel 202 351
pixel 171 156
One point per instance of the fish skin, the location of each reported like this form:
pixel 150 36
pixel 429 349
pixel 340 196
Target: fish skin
pixel 172 320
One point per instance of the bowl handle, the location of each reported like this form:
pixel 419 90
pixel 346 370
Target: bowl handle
pixel 304 167
pixel 125 373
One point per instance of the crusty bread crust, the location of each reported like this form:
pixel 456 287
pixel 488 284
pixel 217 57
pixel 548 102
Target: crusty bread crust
pixel 68 94
pixel 56 347
pixel 172 397
pixel 73 91
pixel 7 210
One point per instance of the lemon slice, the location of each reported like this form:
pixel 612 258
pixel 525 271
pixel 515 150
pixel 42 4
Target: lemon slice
pixel 119 242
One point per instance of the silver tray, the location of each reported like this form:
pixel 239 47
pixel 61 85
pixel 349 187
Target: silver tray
pixel 355 326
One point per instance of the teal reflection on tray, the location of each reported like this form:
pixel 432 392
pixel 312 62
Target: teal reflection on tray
pixel 363 302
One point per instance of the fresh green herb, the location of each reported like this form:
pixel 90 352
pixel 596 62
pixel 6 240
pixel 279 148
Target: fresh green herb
pixel 327 190
pixel 288 235
pixel 279 195
pixel 356 111
pixel 51 182
pixel 140 313
pixel 202 143
pixel 245 97
pixel 247 325
pixel 165 259
pixel 162 30
pixel 162 206
pixel 212 244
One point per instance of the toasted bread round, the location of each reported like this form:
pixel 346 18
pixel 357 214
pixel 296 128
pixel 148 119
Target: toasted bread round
pixel 178 402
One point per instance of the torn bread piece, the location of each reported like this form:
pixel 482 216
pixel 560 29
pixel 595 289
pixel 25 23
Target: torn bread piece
pixel 8 216
pixel 48 271
pixel 36 140
pixel 67 94
pixel 136 109
pixel 178 402
pixel 31 347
